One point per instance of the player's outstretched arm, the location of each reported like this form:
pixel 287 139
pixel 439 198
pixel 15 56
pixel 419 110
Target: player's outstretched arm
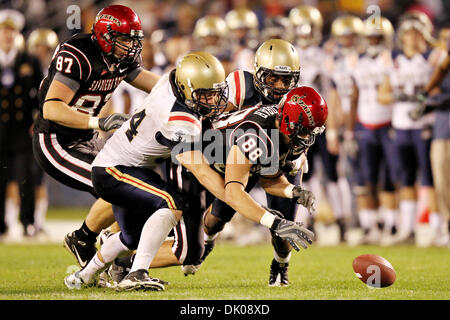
pixel 145 80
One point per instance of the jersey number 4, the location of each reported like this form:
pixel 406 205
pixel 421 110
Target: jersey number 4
pixel 134 124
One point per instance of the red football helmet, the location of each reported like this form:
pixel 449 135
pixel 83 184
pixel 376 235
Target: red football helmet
pixel 302 112
pixel 115 22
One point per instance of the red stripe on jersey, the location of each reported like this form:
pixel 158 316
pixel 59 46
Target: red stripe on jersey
pixel 375 126
pixel 237 83
pixel 185 118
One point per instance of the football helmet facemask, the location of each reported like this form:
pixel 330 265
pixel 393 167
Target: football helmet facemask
pixel 275 60
pixel 118 31
pixel 302 113
pixel 200 79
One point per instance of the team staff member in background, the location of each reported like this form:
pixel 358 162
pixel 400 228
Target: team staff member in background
pixel 439 101
pixel 41 43
pixel 19 83
pixel 84 72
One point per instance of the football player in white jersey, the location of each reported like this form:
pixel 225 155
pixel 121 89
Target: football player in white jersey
pixel 308 22
pixel 340 60
pixel 371 116
pixel 243 26
pixel 169 122
pixel 412 70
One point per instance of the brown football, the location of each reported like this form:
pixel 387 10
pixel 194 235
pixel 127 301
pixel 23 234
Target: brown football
pixel 374 271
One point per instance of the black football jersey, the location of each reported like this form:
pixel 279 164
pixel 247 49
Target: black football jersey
pixel 254 131
pixel 80 64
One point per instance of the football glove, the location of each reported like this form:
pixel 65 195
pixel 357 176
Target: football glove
pixel 418 111
pixel 305 198
pixel 113 121
pixel 293 232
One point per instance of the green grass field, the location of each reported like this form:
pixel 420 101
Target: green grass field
pixel 36 272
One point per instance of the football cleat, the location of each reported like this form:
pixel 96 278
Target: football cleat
pixel 139 280
pixel 82 251
pixel 190 269
pixel 74 281
pixel 104 280
pixel 117 273
pixel 278 274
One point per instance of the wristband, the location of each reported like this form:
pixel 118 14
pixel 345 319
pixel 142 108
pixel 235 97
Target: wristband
pixel 267 219
pixel 93 123
pixel 288 191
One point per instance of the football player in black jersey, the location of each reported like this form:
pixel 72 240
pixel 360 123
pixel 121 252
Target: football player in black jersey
pixel 84 72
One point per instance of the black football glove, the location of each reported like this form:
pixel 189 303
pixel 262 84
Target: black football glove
pixel 418 111
pixel 305 198
pixel 114 121
pixel 293 232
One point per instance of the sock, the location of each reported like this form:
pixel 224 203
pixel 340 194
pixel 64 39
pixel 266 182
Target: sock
pixel 110 249
pixel 408 213
pixel 153 234
pixel 335 199
pixel 11 212
pixel 280 259
pixel 207 237
pixel 40 212
pixel 85 234
pixel 367 218
pixel 92 267
pixel 389 219
pixel 436 221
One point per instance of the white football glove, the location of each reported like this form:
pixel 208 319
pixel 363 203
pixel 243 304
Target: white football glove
pixel 299 164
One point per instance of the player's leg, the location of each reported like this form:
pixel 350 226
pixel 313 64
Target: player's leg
pixel 72 167
pixel 366 195
pixel 407 166
pixel 333 190
pixel 388 195
pixel 423 152
pixel 281 248
pixel 440 157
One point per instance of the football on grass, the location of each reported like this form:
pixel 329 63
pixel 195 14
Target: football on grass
pixel 374 271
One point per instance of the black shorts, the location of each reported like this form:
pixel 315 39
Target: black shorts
pixel 136 194
pixel 68 163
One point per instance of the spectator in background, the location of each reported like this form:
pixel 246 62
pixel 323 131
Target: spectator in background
pixel 41 43
pixel 20 76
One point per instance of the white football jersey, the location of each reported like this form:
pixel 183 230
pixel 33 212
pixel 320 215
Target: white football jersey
pixel 368 74
pixel 135 143
pixel 311 70
pixel 339 68
pixel 409 76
